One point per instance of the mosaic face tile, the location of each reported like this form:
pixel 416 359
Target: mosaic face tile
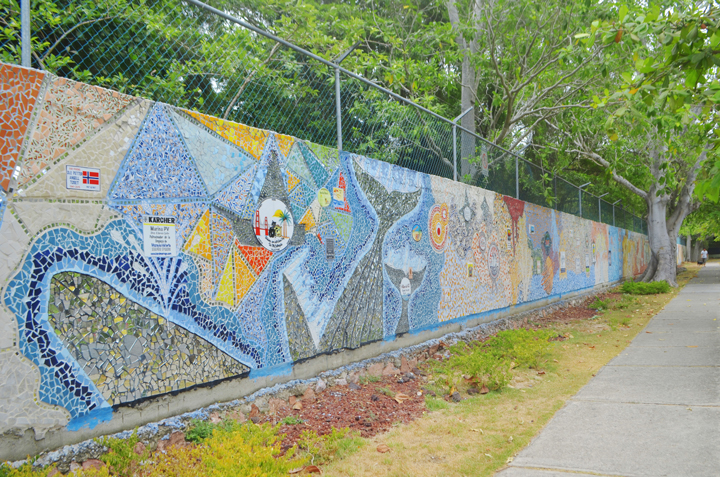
pixel 19 90
pixel 249 139
pixel 60 128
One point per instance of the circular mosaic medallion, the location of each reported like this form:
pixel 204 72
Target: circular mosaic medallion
pixel 324 197
pixel 416 233
pixel 438 226
pixel 494 260
pixel 273 224
pixel 481 241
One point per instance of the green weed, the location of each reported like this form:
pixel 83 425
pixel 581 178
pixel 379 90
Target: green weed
pixel 644 288
pixel 291 421
pixel 121 458
pixel 385 391
pixel 599 305
pixel 368 378
pixel 336 445
pixel 435 404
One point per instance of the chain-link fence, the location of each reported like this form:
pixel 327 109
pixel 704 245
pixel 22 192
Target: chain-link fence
pixel 187 54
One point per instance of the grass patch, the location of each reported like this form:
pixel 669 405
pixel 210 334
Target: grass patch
pixel 435 404
pixel 599 305
pixel 292 421
pixel 340 443
pixel 368 378
pixel 643 288
pixel 473 437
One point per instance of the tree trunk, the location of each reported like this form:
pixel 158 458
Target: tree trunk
pixel 467 100
pixel 661 244
pixel 696 250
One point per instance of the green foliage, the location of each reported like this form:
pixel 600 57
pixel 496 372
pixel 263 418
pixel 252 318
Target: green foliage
pixel 121 457
pixel 525 347
pixel 599 305
pixel 483 363
pixel 386 391
pixel 291 421
pixel 369 379
pixel 644 288
pixel 200 430
pixel 435 404
pixel 336 445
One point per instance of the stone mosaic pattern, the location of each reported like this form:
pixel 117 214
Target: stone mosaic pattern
pixel 127 350
pixel 70 113
pixel 392 251
pixel 19 89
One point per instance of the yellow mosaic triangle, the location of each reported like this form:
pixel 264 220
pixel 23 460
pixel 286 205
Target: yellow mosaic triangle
pixel 292 180
pixel 308 220
pixel 226 290
pixel 199 240
pixel 250 139
pixel 284 143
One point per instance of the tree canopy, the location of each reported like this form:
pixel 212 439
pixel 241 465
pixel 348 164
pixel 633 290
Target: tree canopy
pixel 623 95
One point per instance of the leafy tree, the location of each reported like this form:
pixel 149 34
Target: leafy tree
pixel 660 118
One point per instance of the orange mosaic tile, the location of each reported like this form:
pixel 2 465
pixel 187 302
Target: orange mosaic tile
pixel 19 89
pixel 250 139
pixel 257 257
pixel 244 277
pixel 284 143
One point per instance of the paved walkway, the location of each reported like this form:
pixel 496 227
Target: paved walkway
pixel 654 410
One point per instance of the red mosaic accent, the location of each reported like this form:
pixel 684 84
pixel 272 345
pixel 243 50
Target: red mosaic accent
pixel 257 257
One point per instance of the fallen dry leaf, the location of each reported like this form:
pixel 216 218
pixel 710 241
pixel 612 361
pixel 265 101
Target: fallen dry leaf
pixel 484 390
pixel 297 406
pixel 312 469
pixel 296 471
pixel 541 372
pixel 692 346
pixel 400 397
pixel 383 448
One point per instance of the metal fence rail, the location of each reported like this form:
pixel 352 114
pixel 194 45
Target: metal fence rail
pixel 191 55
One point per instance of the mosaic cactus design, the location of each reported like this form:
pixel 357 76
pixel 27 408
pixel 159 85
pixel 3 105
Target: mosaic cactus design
pixel 375 250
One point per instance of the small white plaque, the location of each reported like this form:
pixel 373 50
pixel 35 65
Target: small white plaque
pixel 159 236
pixel 82 178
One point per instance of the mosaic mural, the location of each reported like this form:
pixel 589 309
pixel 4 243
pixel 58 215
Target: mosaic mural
pixel 200 249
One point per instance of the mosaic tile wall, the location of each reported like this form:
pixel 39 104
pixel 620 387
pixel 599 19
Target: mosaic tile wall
pixel 270 250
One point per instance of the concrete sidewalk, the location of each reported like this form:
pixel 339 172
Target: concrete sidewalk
pixel 654 410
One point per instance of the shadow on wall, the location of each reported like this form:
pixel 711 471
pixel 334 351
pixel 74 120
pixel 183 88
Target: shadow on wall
pixel 160 248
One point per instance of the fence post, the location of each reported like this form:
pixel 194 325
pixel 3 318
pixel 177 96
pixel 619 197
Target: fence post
pixel 26 47
pixel 600 206
pixel 580 195
pixel 517 179
pixel 454 152
pixel 338 109
pixel 555 191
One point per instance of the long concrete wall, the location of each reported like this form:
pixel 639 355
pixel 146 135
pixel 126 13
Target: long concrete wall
pixel 147 250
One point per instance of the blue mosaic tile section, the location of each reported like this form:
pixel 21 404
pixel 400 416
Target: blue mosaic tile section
pixel 317 170
pixel 158 165
pixel 235 195
pixel 217 160
pixel 168 287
